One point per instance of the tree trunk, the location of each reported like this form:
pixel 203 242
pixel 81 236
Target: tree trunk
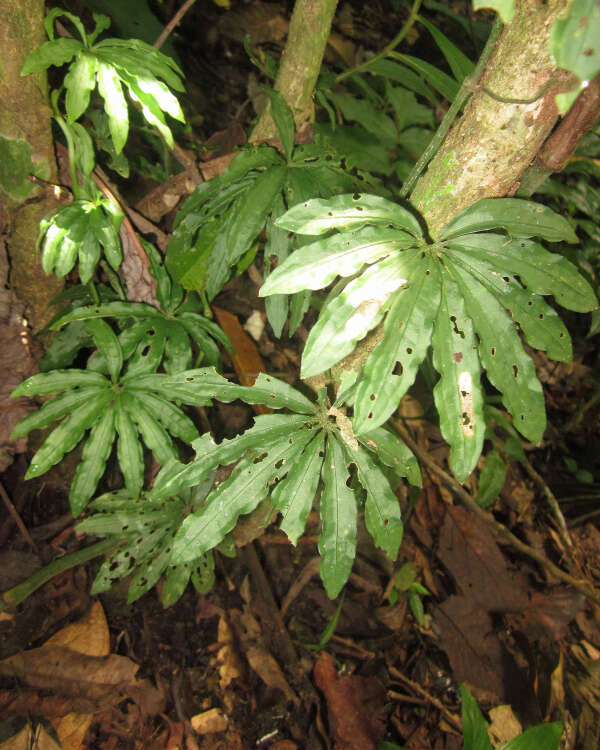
pixel 300 64
pixel 25 148
pixel 495 140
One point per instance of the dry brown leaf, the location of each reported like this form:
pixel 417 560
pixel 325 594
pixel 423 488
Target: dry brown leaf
pixel 355 706
pixel 269 671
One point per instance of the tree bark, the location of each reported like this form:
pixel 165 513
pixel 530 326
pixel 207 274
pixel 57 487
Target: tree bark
pixel 25 139
pixel 495 140
pixel 300 64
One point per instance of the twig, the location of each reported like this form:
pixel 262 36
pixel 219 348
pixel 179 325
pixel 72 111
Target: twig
pixel 552 502
pixel 162 37
pixel 452 719
pixel 577 417
pixel 469 501
pixel 18 520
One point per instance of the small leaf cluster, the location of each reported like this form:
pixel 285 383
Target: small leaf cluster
pixel 293 458
pixel 143 530
pixel 79 233
pixel 150 337
pixel 111 65
pixel 219 225
pixel 470 296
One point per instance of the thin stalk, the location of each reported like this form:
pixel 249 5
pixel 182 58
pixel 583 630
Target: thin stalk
pixel 467 88
pixel 410 21
pixel 13 597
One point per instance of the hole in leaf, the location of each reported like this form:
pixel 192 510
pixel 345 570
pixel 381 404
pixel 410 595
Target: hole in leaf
pixel 258 459
pixel 189 379
pixel 356 197
pixel 329 213
pixel 529 303
pixel 372 397
pixel 280 463
pixel 465 418
pixel 541 316
pixel 522 417
pixel 515 371
pixel 493 351
pixel 398 369
pixel 146 351
pixel 458 356
pixel 506 279
pixel 370 415
pixel 386 521
pixel 409 350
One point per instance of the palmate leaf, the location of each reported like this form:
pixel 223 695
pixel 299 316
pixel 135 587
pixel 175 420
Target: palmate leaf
pixel 143 530
pixel 470 295
pixel 240 494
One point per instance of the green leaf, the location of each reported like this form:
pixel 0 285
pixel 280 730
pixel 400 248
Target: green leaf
pixel 277 394
pixel 111 90
pixel 541 326
pixel 401 74
pixel 140 58
pixel 316 265
pixel 283 118
pixel 508 368
pixel 441 82
pixel 491 479
pixel 154 435
pixel 55 13
pixel 203 577
pixel 56 52
pixel 148 574
pixel 46 383
pixel 294 495
pixel 178 348
pixel 392 452
pixel 520 218
pixel 54 409
pixel 269 429
pixel 107 234
pixel 504 8
pixel 175 583
pixel 337 540
pixel 129 450
pixel 347 211
pixel 89 257
pixel 238 495
pixel 406 108
pixel 459 63
pixel 382 509
pixel 363 112
pixel 80 81
pixel 574 42
pixel 540 271
pixel 149 105
pixel 546 736
pixel 474 726
pixel 392 367
pixel 458 394
pixel 276 250
pixel 170 416
pixel 65 437
pixel 108 345
pixel 93 462
pixel 252 211
pixel 349 316
pixel 148 353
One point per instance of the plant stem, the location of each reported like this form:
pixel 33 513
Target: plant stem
pixel 13 597
pixel 463 93
pixel 410 21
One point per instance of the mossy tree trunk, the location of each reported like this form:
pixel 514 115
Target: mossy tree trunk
pixel 25 148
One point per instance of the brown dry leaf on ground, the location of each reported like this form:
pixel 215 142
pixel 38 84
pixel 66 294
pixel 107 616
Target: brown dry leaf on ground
pixel 74 674
pixel 355 703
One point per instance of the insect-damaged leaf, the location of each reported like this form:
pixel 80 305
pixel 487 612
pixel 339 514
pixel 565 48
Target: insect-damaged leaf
pixel 458 395
pixel 239 494
pixel 317 216
pixel 337 541
pixel 540 271
pixel 316 265
pixel 351 314
pixel 501 352
pixel 294 495
pixel 520 218
pixel 382 509
pixel 392 366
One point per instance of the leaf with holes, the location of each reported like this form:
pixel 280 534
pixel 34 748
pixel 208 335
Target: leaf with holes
pixel 337 540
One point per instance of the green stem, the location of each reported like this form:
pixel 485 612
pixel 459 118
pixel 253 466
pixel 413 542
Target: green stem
pixel 94 292
pixel 13 597
pixel 71 150
pixel 464 92
pixel 410 21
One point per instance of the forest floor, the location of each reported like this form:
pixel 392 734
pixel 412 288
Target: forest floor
pixel 265 659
